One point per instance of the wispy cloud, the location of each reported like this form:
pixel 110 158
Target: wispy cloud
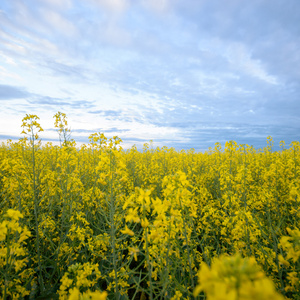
pixel 8 92
pixel 60 102
pixel 107 113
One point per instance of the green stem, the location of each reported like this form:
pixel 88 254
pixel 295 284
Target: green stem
pixel 40 277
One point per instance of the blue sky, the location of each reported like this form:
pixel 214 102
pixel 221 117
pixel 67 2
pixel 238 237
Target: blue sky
pixel 183 73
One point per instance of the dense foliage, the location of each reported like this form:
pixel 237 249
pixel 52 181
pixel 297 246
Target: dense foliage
pixel 99 222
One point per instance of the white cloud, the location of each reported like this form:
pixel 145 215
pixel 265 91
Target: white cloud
pixel 114 6
pixel 8 60
pixel 240 57
pixel 28 46
pixel 4 74
pixel 55 20
pixel 116 35
pixel 158 6
pixel 60 4
pixel 14 47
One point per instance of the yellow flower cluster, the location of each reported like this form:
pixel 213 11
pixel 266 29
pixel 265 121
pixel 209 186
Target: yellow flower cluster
pixel 76 295
pixel 79 278
pixel 150 224
pixel 13 256
pixel 235 278
pixel 291 247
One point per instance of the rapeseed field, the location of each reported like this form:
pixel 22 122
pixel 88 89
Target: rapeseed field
pixel 99 222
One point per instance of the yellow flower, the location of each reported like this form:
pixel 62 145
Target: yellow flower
pixel 284 242
pixel 293 254
pixel 19 264
pixel 283 261
pixel 132 215
pixel 177 296
pixel 229 277
pixel 3 230
pixel 74 294
pixel 127 231
pixel 293 278
pixel 133 251
pixel 98 295
pixel 14 214
pixel 144 223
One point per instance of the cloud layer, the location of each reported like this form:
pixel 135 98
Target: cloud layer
pixel 183 73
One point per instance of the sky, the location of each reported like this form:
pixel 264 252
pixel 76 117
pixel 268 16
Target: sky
pixel 183 73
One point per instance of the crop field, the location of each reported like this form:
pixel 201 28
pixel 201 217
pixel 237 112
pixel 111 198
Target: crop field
pixel 100 222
